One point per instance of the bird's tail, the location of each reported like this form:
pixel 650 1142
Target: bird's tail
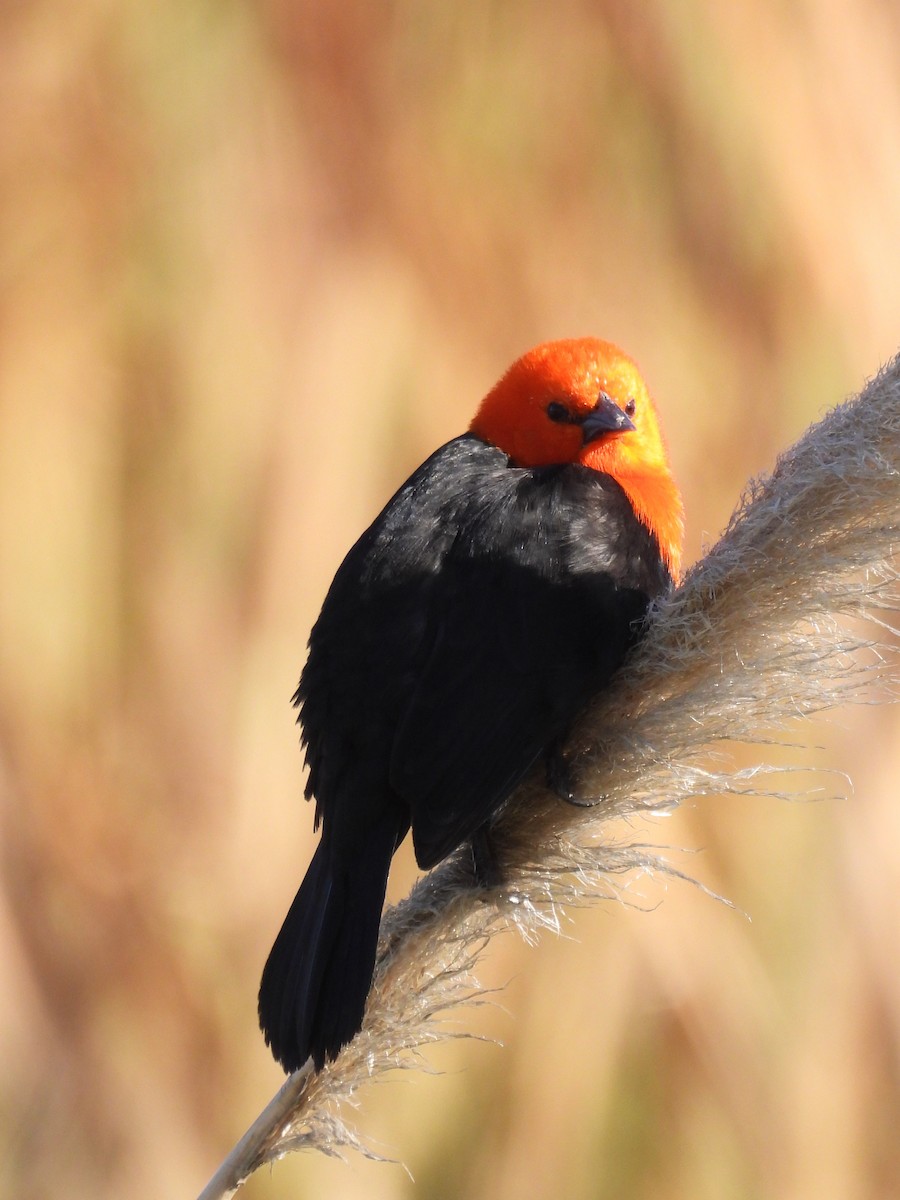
pixel 314 985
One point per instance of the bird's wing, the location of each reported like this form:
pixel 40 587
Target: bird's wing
pixel 518 642
pixel 372 638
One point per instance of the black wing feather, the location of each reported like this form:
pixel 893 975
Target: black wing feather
pixel 534 613
pixel 461 636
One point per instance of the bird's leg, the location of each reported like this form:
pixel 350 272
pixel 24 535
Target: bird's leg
pixel 484 859
pixel 559 777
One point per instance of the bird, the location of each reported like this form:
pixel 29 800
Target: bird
pixel 497 592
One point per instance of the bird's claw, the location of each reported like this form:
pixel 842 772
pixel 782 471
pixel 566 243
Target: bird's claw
pixel 484 860
pixel 559 780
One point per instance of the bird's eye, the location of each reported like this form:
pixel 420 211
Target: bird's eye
pixel 630 407
pixel 558 412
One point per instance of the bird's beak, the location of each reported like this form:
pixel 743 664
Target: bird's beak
pixel 605 417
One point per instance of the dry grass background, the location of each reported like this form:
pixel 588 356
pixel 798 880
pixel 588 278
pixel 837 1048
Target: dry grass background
pixel 257 261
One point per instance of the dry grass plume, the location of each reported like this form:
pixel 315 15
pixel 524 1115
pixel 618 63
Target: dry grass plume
pixel 785 616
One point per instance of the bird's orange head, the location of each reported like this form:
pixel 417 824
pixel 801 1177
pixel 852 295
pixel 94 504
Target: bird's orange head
pixel 583 401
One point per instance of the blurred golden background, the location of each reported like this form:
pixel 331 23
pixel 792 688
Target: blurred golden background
pixel 258 260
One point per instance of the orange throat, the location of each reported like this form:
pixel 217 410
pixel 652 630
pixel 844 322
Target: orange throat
pixel 657 505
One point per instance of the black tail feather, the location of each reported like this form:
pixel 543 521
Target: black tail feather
pixel 314 986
